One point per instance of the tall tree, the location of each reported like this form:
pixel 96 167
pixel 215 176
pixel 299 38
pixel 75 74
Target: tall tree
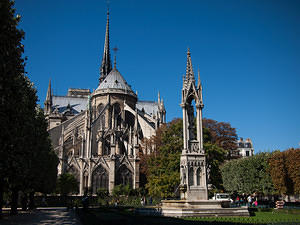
pixel 222 134
pixel 161 166
pixel 12 83
pixel 25 149
pixel 278 172
pixel 19 158
pixel 284 170
pixel 248 175
pixel 293 168
pixel 67 184
pixel 42 172
pixel 215 157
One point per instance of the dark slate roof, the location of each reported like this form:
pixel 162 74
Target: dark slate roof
pixel 114 80
pixel 148 107
pixel 69 103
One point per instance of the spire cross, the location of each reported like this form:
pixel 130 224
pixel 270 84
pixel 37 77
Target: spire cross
pixel 115 49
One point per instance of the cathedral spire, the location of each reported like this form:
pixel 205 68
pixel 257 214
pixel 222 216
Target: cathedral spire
pixel 49 92
pixel 48 101
pixel 189 66
pixel 106 66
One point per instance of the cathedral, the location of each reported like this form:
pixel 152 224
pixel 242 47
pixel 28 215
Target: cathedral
pixel 97 135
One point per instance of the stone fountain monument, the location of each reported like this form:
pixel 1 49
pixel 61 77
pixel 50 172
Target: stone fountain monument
pixel 193 178
pixel 192 161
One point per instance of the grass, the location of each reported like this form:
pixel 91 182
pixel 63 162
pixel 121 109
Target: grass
pixel 126 216
pixel 260 217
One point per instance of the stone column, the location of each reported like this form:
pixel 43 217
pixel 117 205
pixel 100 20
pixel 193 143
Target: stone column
pixel 199 126
pixel 117 147
pixel 112 144
pixel 136 175
pixel 81 191
pixel 88 144
pixel 203 177
pixel 185 147
pixel 111 175
pixel 90 176
pixel 88 136
pixel 100 149
pixel 82 147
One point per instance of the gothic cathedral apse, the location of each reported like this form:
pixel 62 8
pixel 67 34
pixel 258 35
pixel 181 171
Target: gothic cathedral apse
pixel 97 135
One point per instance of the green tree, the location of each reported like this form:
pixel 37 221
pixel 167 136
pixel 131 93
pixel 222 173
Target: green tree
pixel 26 159
pixel 102 193
pixel 42 159
pixel 67 184
pixel 163 164
pixel 122 190
pixel 215 157
pixel 248 175
pixel 17 106
pixel 43 173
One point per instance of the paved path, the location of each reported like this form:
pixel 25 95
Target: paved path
pixel 43 217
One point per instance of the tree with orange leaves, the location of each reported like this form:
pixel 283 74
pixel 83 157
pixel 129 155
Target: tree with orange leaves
pixel 222 134
pixel 285 171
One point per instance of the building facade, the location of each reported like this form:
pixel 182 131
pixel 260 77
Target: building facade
pixel 97 135
pixel 245 147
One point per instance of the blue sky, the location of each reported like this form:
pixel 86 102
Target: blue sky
pixel 248 53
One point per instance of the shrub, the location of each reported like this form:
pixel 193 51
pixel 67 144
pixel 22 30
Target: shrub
pixel 122 190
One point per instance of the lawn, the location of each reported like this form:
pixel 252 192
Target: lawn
pixel 271 217
pixel 126 216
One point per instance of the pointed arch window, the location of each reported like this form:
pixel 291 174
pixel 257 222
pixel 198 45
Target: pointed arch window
pixel 100 179
pixel 191 176
pixel 198 174
pixel 124 176
pixel 85 180
pixel 106 146
pixel 117 114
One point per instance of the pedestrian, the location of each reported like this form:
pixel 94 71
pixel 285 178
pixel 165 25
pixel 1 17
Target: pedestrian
pixel 142 201
pixel 249 199
pixel 237 200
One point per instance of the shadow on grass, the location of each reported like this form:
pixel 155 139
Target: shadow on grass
pixel 125 216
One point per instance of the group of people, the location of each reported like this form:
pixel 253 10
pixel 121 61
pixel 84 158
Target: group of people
pixel 250 200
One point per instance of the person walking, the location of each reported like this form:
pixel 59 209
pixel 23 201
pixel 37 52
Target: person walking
pixel 249 199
